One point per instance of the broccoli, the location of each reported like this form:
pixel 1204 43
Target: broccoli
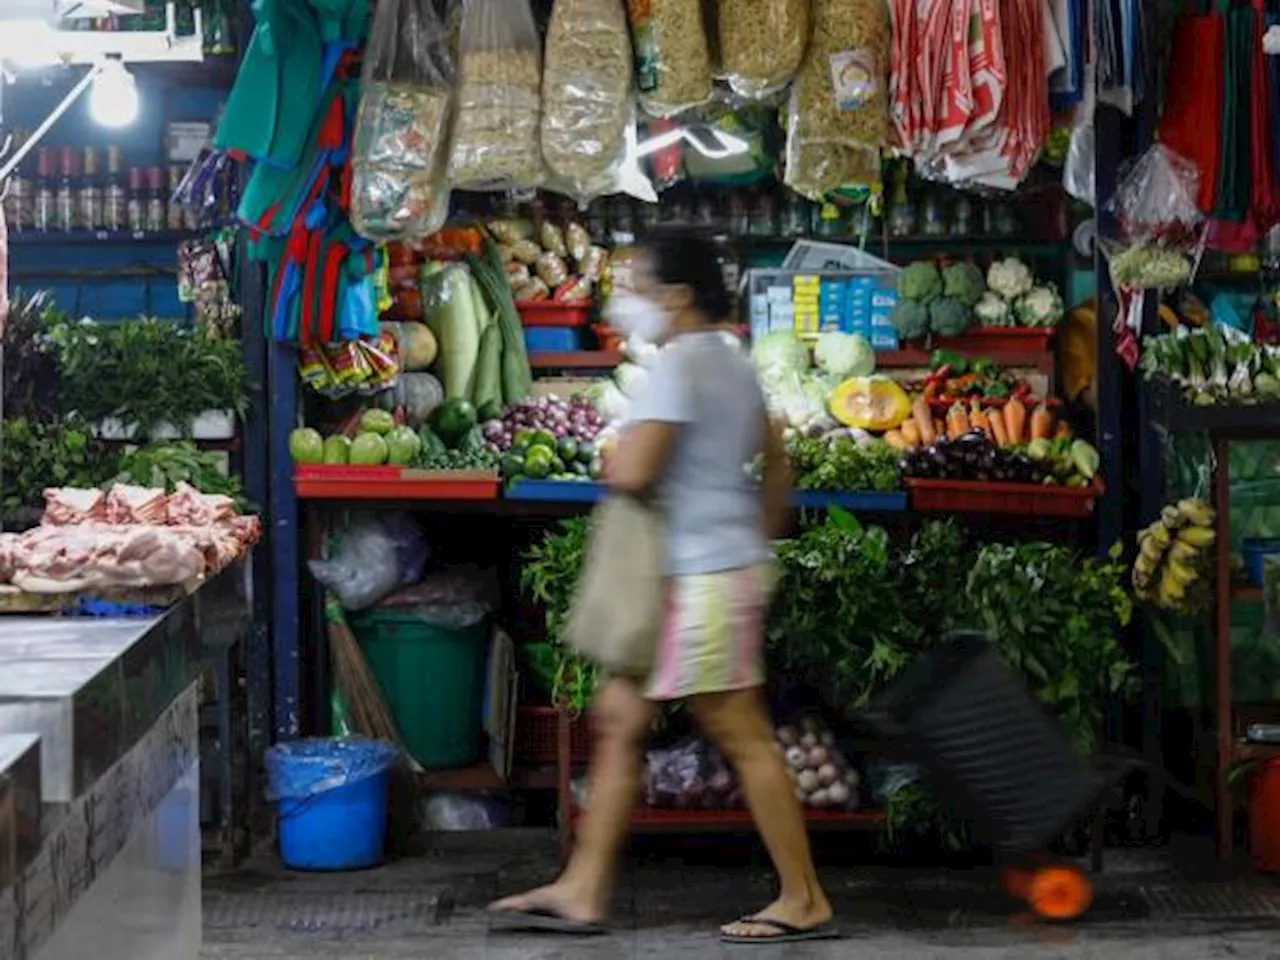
pixel 964 282
pixel 911 319
pixel 948 317
pixel 993 311
pixel 1040 307
pixel 920 281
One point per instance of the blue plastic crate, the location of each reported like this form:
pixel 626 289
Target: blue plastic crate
pixel 864 500
pixel 552 339
pixel 556 491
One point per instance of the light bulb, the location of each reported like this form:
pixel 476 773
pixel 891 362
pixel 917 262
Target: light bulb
pixel 113 100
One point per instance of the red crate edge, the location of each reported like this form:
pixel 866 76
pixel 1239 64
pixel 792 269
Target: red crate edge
pixel 538 736
pixel 547 313
pixel 1023 499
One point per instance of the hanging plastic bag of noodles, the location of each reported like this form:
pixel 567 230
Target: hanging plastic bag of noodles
pixel 762 44
pixel 837 114
pixel 496 139
pixel 672 55
pixel 586 96
pixel 398 185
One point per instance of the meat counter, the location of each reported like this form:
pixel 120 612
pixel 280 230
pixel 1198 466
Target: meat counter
pixel 99 818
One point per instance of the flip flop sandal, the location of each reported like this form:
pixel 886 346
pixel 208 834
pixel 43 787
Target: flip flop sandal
pixel 786 933
pixel 541 920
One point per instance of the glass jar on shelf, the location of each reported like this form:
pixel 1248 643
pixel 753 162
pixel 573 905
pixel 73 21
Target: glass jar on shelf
pixel 962 219
pixel 647 217
pixel 830 222
pixel 738 221
pixel 764 215
pixel 1004 220
pixel 622 222
pixel 933 217
pixel 793 220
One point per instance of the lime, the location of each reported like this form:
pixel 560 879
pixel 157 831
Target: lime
pixel 544 438
pixel 567 448
pixel 512 465
pixel 522 440
pixel 538 463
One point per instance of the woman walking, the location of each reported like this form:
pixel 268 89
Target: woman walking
pixel 700 418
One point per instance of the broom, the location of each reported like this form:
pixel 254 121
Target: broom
pixel 368 710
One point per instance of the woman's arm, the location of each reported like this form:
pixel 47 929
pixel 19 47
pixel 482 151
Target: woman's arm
pixel 775 487
pixel 641 455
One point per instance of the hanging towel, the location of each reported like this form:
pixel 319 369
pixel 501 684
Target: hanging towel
pixel 1192 121
pixel 1263 199
pixel 1232 201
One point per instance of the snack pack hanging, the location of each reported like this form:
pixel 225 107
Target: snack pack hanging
pixel 496 139
pixel 762 43
pixel 837 116
pixel 586 103
pixel 398 184
pixel 672 55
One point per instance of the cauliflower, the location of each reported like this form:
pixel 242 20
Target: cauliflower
pixel 948 317
pixel 920 281
pixel 964 282
pixel 1039 307
pixel 911 319
pixel 844 355
pixel 1010 278
pixel 993 311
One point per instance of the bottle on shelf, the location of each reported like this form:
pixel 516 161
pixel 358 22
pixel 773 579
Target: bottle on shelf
pixel 68 199
pixel 157 208
pixel 177 211
pixel 136 204
pixel 115 199
pixel 19 201
pixel 44 209
pixel 91 210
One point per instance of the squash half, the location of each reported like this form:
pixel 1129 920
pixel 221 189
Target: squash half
pixel 869 403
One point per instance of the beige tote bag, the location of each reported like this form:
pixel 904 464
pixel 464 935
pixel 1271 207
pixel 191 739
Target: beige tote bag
pixel 616 615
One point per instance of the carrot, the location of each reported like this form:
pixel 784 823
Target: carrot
pixel 957 422
pixel 998 432
pixel 979 420
pixel 924 420
pixel 939 428
pixel 1041 423
pixel 894 438
pixel 1015 420
pixel 1063 432
pixel 910 432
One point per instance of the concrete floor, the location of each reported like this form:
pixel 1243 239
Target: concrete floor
pixel 673 894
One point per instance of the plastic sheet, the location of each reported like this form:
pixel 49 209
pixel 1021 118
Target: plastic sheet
pixel 496 140
pixel 398 186
pixel 762 43
pixel 454 598
pixel 586 104
pixel 837 114
pixel 373 557
pixel 1155 202
pixel 672 55
pixel 457 813
pixel 690 775
pixel 303 768
pixel 1078 171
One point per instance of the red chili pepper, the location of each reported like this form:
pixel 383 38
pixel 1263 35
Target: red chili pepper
pixel 942 373
pixel 1022 391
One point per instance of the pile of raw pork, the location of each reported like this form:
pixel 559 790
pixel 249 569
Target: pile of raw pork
pixel 126 537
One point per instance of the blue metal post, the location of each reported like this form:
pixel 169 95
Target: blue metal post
pixel 286 627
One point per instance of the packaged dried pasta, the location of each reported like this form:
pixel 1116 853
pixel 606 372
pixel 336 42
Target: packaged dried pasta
pixel 837 113
pixel 586 96
pixel 672 55
pixel 578 241
pixel 551 269
pixel 552 238
pixel 526 252
pixel 495 145
pixel 398 185
pixel 762 43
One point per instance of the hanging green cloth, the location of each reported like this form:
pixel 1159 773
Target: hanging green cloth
pixel 1233 168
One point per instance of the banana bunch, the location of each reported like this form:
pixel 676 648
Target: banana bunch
pixel 1171 569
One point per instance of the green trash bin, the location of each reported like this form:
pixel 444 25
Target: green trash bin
pixel 433 679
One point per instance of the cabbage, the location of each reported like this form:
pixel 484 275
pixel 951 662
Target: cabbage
pixel 630 379
pixel 798 402
pixel 779 353
pixel 844 355
pixel 608 400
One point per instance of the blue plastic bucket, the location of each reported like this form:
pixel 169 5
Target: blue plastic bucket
pixel 331 802
pixel 1255 553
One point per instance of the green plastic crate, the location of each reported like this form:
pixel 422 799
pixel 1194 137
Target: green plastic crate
pixel 433 679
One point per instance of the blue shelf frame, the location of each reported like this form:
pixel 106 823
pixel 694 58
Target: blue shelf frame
pixel 564 491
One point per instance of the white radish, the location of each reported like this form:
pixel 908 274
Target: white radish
pixel 807 781
pixel 828 774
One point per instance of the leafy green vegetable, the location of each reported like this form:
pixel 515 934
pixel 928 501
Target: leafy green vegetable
pixel 549 577
pixel 948 317
pixel 964 282
pixel 911 319
pixel 53 453
pixel 842 464
pixel 920 281
pixel 165 465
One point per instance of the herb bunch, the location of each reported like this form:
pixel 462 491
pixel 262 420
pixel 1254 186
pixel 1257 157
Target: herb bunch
pixel 841 463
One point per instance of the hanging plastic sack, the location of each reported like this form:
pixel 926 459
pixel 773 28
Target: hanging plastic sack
pixel 762 43
pixel 837 114
pixel 398 186
pixel 496 143
pixel 672 55
pixel 1155 202
pixel 1078 170
pixel 586 103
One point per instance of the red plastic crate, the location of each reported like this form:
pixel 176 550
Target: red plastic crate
pixel 978 339
pixel 333 482
pixel 538 736
pixel 1023 499
pixel 548 313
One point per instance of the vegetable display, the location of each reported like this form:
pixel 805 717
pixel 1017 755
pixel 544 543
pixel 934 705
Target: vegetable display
pixel 1214 364
pixel 1172 568
pixel 548 439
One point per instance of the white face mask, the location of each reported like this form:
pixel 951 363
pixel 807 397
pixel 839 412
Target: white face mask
pixel 636 316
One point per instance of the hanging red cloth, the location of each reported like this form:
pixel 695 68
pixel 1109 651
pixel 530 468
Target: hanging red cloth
pixel 1263 201
pixel 1192 120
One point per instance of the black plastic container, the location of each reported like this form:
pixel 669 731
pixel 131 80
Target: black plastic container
pixel 989 744
pixel 1169 410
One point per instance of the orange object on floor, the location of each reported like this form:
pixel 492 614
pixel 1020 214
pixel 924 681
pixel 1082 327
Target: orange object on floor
pixel 1264 817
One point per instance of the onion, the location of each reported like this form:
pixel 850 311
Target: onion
pixel 809 741
pixel 807 781
pixel 721 782
pixel 838 794
pixel 796 757
pixel 828 774
pixel 819 798
pixel 818 756
pixel 787 736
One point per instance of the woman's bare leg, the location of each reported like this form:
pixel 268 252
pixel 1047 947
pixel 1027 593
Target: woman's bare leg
pixel 738 724
pixel 620 722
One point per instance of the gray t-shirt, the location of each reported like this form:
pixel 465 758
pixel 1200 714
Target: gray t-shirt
pixel 713 508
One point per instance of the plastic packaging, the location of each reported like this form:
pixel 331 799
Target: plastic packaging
pixel 690 775
pixel 373 557
pixel 1078 170
pixel 762 43
pixel 454 598
pixel 835 130
pixel 586 105
pixel 672 55
pixel 1155 202
pixel 398 184
pixel 304 768
pixel 496 139
pixel 457 813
